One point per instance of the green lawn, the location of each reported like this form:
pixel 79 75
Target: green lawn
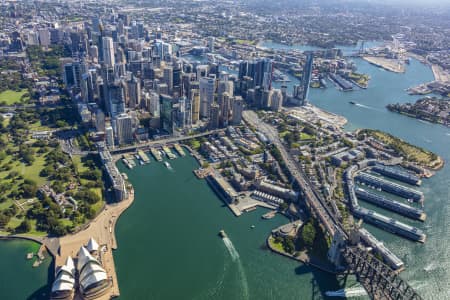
pixel 11 97
pixel 276 246
pixel 305 136
pixel 28 172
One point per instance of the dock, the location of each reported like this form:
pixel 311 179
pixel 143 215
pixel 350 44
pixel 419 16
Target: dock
pixel 168 152
pixel 179 150
pixel 397 174
pixel 156 154
pixel 143 156
pixel 390 258
pixel 271 214
pixel 390 187
pixel 392 205
pixel 390 225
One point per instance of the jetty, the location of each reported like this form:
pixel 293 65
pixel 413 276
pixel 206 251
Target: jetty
pixel 179 150
pixel 156 154
pixel 143 156
pixel 168 152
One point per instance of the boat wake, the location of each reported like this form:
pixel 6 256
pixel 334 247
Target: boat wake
pixel 234 254
pixel 235 257
pixel 347 293
pixel 430 267
pixel 366 106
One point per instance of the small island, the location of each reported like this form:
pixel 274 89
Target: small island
pixel 430 109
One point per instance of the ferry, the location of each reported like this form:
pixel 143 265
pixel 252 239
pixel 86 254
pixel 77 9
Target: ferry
pixel 222 234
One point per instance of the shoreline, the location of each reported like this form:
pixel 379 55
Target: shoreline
pixel 61 247
pixel 384 63
pixel 304 261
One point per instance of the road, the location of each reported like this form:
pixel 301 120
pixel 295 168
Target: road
pixel 162 142
pixel 313 200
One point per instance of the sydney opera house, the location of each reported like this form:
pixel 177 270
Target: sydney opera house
pixel 89 280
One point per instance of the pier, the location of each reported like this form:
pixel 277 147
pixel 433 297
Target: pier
pixel 179 150
pixel 388 257
pixel 390 187
pixel 168 152
pixel 390 225
pixel 156 154
pixel 143 156
pixel 397 174
pixel 392 205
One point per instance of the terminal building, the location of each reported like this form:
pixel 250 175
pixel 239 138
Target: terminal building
pixel 116 179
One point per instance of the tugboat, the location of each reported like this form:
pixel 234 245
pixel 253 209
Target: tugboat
pixel 222 234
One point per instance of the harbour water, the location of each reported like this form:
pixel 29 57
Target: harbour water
pixel 18 279
pixel 168 243
pixel 169 247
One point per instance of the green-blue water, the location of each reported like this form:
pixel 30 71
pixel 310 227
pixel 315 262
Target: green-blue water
pixel 170 248
pixel 18 279
pixel 168 244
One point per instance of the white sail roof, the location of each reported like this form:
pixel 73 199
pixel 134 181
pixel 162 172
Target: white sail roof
pixel 83 257
pixel 92 245
pixel 62 286
pixel 92 279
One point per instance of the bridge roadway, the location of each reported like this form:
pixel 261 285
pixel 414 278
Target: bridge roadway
pixel 313 200
pixel 161 142
pixel 379 280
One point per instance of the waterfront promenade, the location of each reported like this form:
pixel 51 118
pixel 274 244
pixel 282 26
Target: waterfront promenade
pixel 102 229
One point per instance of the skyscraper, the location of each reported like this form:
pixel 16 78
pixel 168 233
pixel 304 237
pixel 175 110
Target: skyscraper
pixel 207 89
pixel 238 107
pixel 168 78
pixel 108 51
pixel 306 78
pixel 123 129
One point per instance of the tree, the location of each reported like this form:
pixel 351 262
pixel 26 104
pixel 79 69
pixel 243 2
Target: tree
pixel 308 234
pixel 29 190
pixel 25 226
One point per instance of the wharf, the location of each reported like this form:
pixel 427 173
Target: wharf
pixel 390 225
pixel 390 187
pixel 392 65
pixel 143 156
pixel 398 207
pixel 168 152
pixel 179 150
pixel 156 154
pixel 394 173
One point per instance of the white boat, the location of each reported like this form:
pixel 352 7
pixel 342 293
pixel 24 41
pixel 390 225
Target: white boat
pixel 167 165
